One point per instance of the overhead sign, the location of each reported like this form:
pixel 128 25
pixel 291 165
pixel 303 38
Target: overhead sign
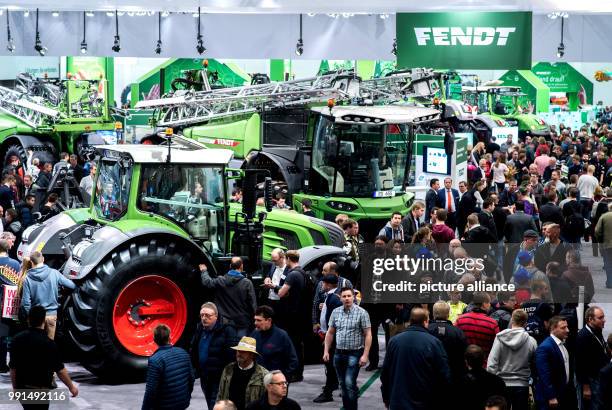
pixel 469 40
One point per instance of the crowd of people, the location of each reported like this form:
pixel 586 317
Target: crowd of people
pixel 527 209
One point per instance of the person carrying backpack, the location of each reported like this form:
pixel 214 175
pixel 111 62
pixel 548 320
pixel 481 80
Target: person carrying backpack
pixel 573 229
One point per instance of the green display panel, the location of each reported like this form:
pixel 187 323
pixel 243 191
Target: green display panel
pixel 563 78
pixel 464 40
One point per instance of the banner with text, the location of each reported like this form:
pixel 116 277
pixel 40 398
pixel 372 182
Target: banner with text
pixel 468 40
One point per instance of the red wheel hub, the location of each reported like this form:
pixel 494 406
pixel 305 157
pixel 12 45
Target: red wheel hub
pixel 143 304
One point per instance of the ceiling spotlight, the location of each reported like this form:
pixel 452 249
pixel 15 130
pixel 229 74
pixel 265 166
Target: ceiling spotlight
pixel 42 50
pixel 10 45
pixel 117 43
pixel 159 42
pixel 55 14
pixel 89 13
pixel 299 46
pixel 110 14
pixel 312 14
pixel 130 13
pixel 165 13
pixel 84 42
pixel 196 15
pixel 561 50
pixel 26 13
pixel 200 43
pixel 384 16
pixel 394 49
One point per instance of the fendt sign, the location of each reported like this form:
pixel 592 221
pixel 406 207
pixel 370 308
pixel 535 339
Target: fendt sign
pixel 470 36
pixel 468 40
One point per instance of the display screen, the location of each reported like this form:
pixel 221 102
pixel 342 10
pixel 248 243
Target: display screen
pixel 435 161
pixel 499 134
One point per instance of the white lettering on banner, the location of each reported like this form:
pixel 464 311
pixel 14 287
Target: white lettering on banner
pixel 470 36
pixel 11 302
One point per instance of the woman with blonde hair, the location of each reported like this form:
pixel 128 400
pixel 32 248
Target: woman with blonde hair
pixel 477 152
pixel 500 169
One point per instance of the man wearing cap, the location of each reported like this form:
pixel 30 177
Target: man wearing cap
pixel 529 244
pixel 242 381
pixel 525 259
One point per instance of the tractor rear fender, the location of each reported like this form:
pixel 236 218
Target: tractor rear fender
pixel 89 253
pixel 486 120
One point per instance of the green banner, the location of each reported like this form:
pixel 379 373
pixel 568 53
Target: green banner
pixel 563 78
pixel 464 40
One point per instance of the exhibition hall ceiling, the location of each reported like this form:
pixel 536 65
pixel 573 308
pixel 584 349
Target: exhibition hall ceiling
pixel 317 6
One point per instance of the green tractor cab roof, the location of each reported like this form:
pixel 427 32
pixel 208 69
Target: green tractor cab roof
pixel 380 114
pixel 159 154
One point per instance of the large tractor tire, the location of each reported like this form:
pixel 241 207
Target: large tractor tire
pixel 112 314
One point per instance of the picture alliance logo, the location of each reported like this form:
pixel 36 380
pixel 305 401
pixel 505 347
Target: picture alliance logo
pixel 468 36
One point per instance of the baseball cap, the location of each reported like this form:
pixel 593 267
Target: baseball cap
pixel 521 276
pixel 524 257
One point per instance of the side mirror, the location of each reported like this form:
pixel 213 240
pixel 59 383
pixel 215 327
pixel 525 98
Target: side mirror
pixel 268 194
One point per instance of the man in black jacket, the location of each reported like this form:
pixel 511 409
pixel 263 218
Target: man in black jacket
pixel 35 357
pixel 412 222
pixel 416 369
pixel 517 224
pixel 467 206
pixel 550 211
pixel 478 384
pixel 431 198
pixel 234 295
pixel 210 350
pixel 476 233
pixel 605 381
pixel 452 339
pixel 276 350
pixel 486 219
pixel 591 356
pixel 553 250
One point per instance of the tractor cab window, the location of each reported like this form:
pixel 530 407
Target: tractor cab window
pixel 112 190
pixel 191 196
pixel 477 99
pixel 360 160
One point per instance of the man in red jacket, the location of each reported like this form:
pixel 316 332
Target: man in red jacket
pixel 479 329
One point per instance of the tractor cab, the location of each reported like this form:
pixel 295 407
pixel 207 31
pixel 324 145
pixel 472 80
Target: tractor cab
pixel 173 186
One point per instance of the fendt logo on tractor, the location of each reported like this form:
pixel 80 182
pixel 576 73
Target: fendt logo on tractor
pixel 470 36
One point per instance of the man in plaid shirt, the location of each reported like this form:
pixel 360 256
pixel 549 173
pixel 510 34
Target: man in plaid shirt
pixel 350 325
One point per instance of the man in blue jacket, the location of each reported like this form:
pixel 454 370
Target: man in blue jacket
pixel 555 381
pixel 416 369
pixel 276 352
pixel 169 375
pixel 41 287
pixel 211 350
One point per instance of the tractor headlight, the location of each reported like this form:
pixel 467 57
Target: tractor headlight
pixel 341 206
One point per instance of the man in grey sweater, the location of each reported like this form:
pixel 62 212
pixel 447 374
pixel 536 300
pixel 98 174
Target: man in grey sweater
pixel 511 357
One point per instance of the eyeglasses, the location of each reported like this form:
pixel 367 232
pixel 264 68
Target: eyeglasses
pixel 282 383
pixel 208 316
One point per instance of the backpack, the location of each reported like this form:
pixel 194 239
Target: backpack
pixel 574 224
pixel 535 328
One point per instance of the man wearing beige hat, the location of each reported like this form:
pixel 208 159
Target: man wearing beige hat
pixel 242 381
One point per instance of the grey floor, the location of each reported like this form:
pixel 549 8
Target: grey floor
pixel 94 395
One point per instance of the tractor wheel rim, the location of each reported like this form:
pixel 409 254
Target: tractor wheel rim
pixel 144 303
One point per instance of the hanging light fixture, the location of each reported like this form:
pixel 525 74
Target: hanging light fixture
pixel 42 50
pixel 561 48
pixel 10 45
pixel 200 43
pixel 159 42
pixel 117 42
pixel 299 46
pixel 84 42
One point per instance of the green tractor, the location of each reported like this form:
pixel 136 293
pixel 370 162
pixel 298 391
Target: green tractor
pixel 49 116
pixel 501 106
pixel 157 212
pixel 335 140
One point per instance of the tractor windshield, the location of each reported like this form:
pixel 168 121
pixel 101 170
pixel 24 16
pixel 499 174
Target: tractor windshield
pixel 359 160
pixel 191 196
pixel 112 190
pixel 476 99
